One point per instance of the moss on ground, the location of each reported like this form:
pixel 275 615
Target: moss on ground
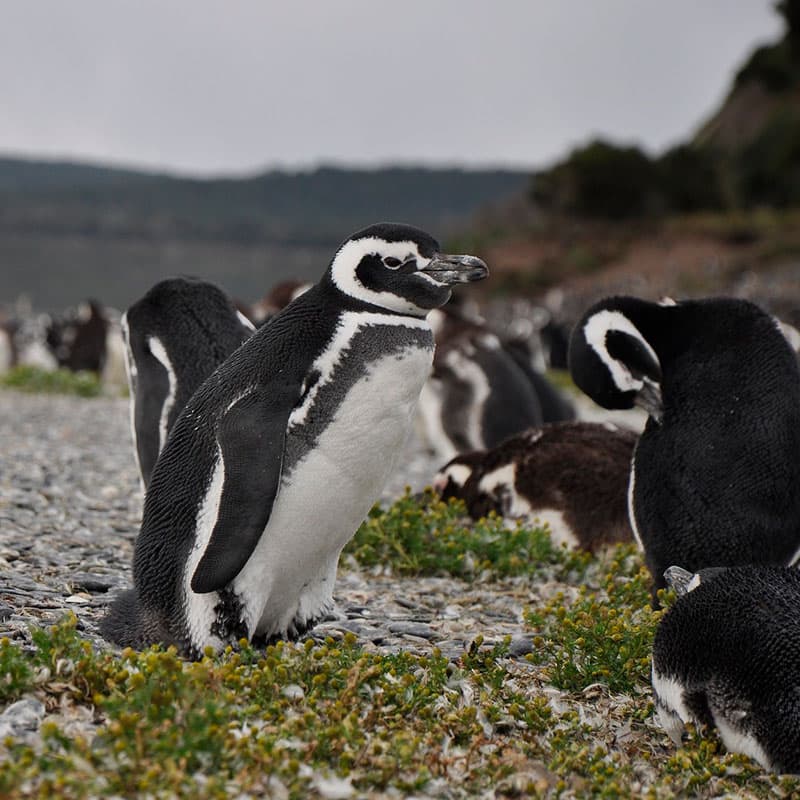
pixel 26 378
pixel 331 719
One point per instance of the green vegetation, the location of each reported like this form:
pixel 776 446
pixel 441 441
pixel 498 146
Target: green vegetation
pixel 434 537
pixel 331 719
pixel 60 381
pixel 604 636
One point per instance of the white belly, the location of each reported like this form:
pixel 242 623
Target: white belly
pixel 289 578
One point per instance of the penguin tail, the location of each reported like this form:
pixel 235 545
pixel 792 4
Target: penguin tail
pixel 128 624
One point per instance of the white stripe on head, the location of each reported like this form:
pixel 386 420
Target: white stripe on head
pixel 345 262
pixel 160 353
pixel 595 331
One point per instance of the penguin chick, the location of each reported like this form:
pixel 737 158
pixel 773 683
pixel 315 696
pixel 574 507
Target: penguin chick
pixel 281 452
pixel 727 654
pixel 175 337
pixel 714 480
pixel 571 475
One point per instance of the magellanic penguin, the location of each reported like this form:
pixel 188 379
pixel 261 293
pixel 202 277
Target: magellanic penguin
pixel 727 654
pixel 280 454
pixel 714 479
pixel 175 337
pixel 477 394
pixel 571 475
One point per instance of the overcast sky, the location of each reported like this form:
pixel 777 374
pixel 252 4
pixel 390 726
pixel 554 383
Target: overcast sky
pixel 209 87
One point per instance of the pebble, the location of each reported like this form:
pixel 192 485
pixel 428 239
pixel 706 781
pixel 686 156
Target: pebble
pixel 22 718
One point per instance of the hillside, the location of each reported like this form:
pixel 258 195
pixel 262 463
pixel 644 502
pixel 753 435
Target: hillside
pixel 716 213
pixel 68 231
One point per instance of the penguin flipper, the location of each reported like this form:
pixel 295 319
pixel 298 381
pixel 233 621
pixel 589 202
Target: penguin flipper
pixel 252 436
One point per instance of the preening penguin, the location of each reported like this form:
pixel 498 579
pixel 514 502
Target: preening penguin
pixel 572 475
pixel 728 654
pixel 279 455
pixel 714 479
pixel 175 337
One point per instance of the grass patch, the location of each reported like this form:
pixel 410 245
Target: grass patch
pixel 298 719
pixel 26 378
pixel 333 719
pixel 601 636
pixel 430 537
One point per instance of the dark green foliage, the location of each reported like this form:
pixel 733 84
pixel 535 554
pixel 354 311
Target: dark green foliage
pixel 772 66
pixel 606 181
pixel 689 180
pixel 769 167
pixel 600 180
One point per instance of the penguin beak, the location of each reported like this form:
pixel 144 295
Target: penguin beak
pixel 449 269
pixel 649 399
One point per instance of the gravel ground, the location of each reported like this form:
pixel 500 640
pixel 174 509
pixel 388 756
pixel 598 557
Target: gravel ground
pixel 70 508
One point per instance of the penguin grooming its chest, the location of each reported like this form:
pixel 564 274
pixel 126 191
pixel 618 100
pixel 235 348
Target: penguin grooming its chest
pixel 727 654
pixel 281 452
pixel 572 475
pixel 714 479
pixel 175 337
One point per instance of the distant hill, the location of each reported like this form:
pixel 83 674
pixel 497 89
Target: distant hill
pixel 322 205
pixel 71 230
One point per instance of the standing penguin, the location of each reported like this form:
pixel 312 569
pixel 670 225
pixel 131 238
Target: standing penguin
pixel 280 454
pixel 175 337
pixel 714 479
pixel 728 654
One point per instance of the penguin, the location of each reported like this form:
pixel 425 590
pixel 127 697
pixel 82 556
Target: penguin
pixel 714 478
pixel 277 298
pixel 279 455
pixel 175 337
pixel 78 338
pixel 727 654
pixel 477 395
pixel 571 475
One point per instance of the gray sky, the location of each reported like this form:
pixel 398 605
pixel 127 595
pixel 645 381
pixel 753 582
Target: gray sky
pixel 242 85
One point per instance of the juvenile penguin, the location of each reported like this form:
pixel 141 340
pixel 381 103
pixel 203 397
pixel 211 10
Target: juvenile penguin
pixel 571 475
pixel 175 337
pixel 279 455
pixel 714 478
pixel 727 654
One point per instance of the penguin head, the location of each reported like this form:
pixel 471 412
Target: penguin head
pixel 400 268
pixel 612 361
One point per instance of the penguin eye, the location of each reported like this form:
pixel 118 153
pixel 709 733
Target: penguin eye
pixel 392 262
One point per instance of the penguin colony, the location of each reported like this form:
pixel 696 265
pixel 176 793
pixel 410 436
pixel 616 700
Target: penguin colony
pixel 261 439
pixel 281 452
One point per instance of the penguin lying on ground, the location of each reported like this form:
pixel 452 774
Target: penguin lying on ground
pixel 572 475
pixel 175 337
pixel 279 455
pixel 714 479
pixel 728 654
